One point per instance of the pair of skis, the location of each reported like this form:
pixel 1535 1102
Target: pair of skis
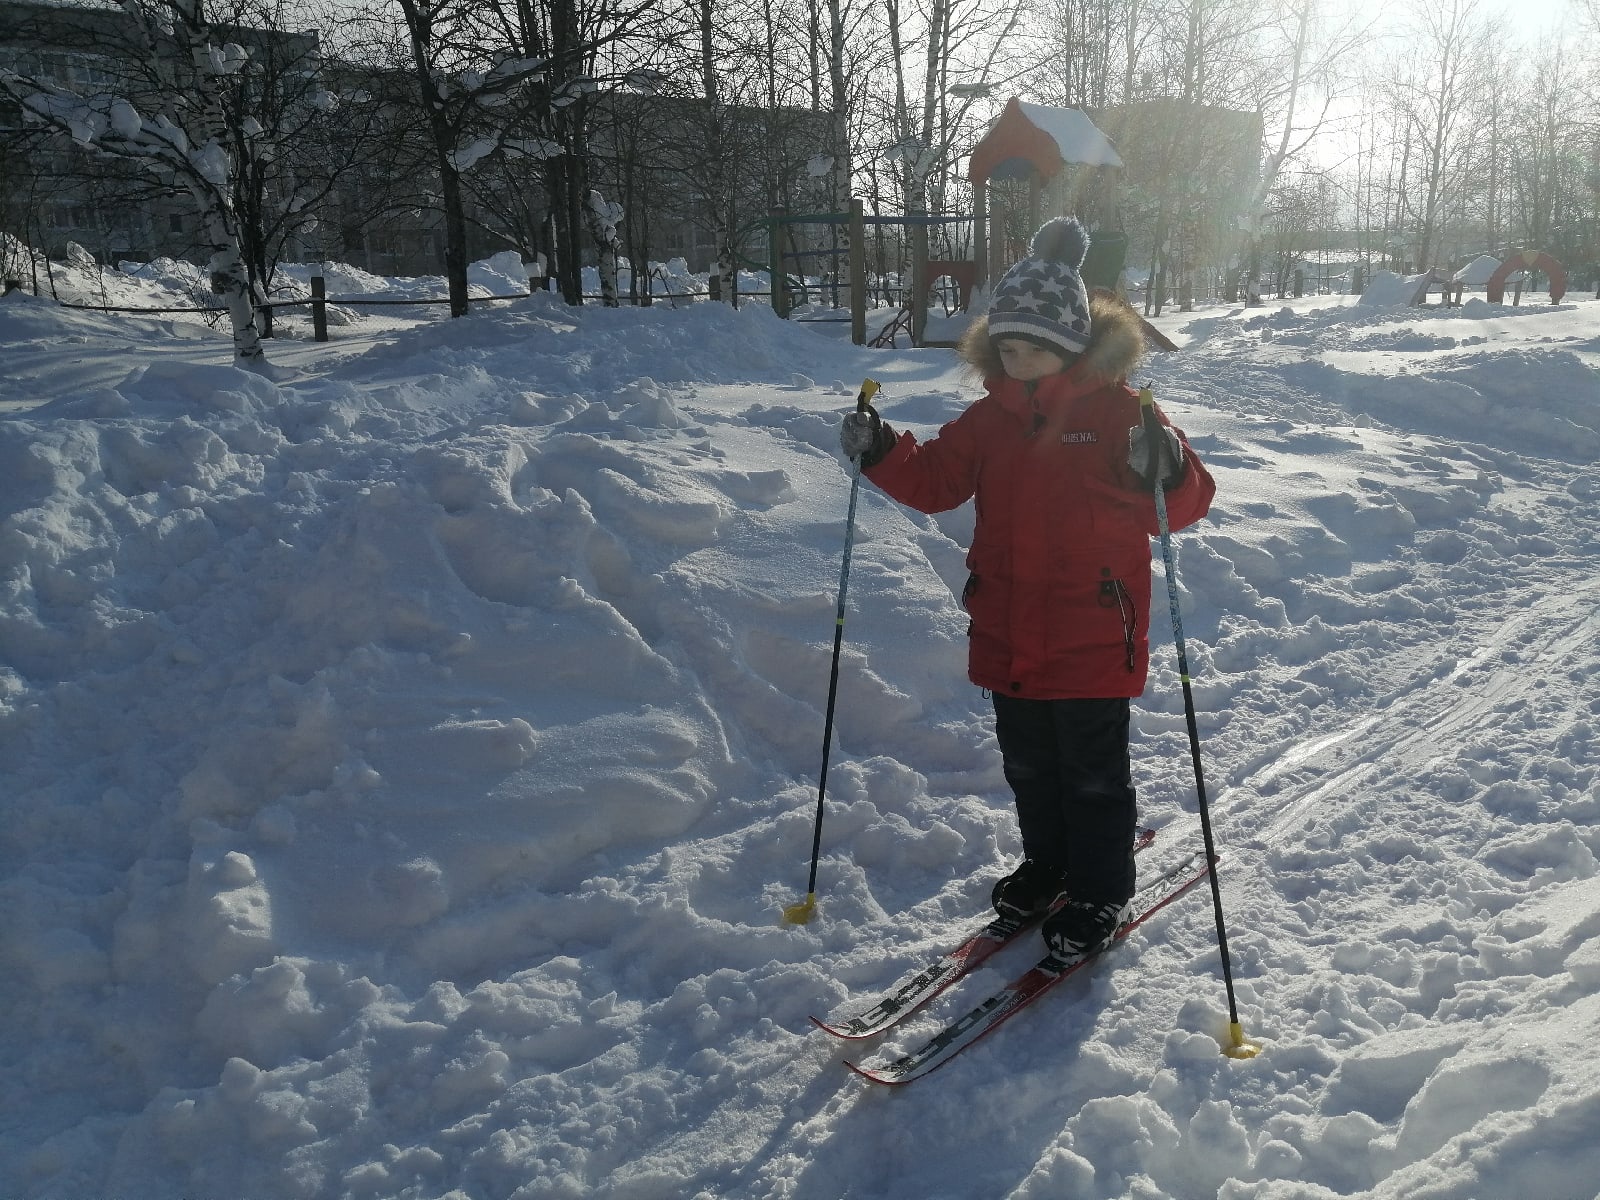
pixel 922 984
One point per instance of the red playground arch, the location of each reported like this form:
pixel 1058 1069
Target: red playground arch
pixel 1523 260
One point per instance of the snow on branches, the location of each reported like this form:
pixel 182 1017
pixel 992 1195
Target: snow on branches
pixel 184 141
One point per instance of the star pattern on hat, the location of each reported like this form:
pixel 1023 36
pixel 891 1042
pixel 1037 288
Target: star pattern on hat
pixel 1042 297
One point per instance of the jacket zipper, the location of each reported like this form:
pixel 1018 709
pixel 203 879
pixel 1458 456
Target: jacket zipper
pixel 1112 592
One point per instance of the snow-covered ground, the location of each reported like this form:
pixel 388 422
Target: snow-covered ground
pixel 407 760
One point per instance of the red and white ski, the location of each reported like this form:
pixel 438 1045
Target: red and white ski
pixel 921 984
pixel 1022 991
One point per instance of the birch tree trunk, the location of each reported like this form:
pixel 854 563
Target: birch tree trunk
pixel 211 181
pixel 602 218
pixel 231 281
pixel 189 138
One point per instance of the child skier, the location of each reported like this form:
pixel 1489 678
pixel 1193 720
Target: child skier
pixel 1058 593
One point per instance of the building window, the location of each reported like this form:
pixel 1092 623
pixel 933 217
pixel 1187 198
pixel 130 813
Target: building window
pixel 72 216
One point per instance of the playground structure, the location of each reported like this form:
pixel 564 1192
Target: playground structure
pixel 1526 261
pixel 1035 160
pixel 854 251
pixel 1519 263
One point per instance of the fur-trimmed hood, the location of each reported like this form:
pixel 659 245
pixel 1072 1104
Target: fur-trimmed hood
pixel 1116 341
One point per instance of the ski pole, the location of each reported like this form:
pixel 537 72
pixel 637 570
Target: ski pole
pixel 799 914
pixel 1155 439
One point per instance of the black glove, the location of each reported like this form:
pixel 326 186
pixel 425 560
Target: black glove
pixel 864 436
pixel 1168 464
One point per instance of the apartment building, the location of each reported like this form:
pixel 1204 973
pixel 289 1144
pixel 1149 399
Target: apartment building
pixel 380 210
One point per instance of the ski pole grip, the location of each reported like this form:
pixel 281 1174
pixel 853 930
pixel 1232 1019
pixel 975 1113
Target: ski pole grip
pixel 1155 435
pixel 1147 412
pixel 869 389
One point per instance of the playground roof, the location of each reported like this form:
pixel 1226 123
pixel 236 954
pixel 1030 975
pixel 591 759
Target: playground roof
pixel 1039 137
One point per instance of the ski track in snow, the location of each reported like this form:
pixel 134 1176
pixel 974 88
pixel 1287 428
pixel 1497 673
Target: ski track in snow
pixel 409 758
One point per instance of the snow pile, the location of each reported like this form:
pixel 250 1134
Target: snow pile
pixel 501 275
pixel 409 760
pixel 173 275
pixel 676 278
pixel 348 282
pixel 1386 289
pixel 1478 272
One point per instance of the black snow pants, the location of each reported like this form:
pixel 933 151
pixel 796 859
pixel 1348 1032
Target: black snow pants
pixel 1069 765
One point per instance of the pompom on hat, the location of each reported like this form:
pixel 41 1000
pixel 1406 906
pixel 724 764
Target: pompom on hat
pixel 1042 298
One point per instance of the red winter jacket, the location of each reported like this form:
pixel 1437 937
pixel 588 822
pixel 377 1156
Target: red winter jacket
pixel 1059 590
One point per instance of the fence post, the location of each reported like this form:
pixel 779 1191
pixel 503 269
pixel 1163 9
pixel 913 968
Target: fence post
pixel 779 273
pixel 858 272
pixel 319 305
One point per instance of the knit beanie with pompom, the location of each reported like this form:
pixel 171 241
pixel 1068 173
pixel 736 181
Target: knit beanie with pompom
pixel 1042 298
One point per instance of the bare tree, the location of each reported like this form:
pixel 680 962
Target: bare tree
pixel 854 46
pixel 1205 51
pixel 462 83
pixel 507 79
pixel 1309 43
pixel 295 134
pixel 569 38
pixel 629 134
pixel 1439 96
pixel 1086 49
pixel 962 44
pixel 1298 214
pixel 720 166
pixel 1545 125
pixel 189 141
pixel 1200 71
pixel 22 188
